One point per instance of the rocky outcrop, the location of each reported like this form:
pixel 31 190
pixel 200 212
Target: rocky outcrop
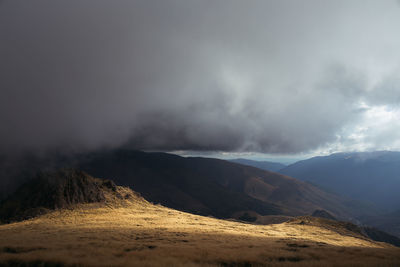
pixel 54 190
pixel 323 214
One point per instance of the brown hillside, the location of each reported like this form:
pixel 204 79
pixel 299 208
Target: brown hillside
pixel 130 231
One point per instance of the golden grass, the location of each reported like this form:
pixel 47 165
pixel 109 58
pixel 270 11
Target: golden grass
pixel 134 232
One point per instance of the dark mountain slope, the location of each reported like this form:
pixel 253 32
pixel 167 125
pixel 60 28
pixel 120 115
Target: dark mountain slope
pixel 388 222
pixel 178 182
pixel 369 176
pixel 211 186
pixel 263 165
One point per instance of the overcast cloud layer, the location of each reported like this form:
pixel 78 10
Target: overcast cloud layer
pixel 266 76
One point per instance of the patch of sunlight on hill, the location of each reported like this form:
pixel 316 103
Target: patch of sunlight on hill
pixel 134 232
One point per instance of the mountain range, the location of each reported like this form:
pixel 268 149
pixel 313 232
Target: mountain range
pixel 217 187
pixel 372 177
pixel 198 185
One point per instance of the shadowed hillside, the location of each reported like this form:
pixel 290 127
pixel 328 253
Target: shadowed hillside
pixel 367 176
pixel 213 187
pixel 263 165
pixel 388 222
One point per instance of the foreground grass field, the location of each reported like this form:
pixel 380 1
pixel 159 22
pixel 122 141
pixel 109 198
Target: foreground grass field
pixel 133 232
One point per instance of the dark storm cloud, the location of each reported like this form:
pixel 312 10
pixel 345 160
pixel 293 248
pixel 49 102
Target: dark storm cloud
pixel 271 76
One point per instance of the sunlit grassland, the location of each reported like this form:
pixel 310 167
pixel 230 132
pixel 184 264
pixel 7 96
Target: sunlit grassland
pixel 134 232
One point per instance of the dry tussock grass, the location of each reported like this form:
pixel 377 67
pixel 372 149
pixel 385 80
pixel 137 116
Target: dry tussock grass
pixel 133 232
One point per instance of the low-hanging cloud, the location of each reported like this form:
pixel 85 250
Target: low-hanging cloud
pixel 269 76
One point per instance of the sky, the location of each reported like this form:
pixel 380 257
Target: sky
pixel 281 78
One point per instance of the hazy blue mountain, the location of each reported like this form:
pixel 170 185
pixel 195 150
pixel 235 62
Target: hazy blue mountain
pixel 367 176
pixel 388 222
pixel 264 165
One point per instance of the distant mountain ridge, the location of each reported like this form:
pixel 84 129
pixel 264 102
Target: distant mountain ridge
pixel 263 165
pixel 367 176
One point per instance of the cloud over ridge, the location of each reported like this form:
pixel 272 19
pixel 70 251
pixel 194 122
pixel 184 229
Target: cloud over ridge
pixel 267 76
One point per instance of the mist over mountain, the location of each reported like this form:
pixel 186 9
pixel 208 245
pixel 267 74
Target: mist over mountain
pixel 203 76
pixel 367 176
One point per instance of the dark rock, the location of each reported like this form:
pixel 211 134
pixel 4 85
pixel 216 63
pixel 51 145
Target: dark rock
pixel 323 214
pixel 110 185
pixel 247 217
pixel 52 190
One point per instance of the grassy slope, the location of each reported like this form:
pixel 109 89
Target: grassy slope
pixel 135 232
